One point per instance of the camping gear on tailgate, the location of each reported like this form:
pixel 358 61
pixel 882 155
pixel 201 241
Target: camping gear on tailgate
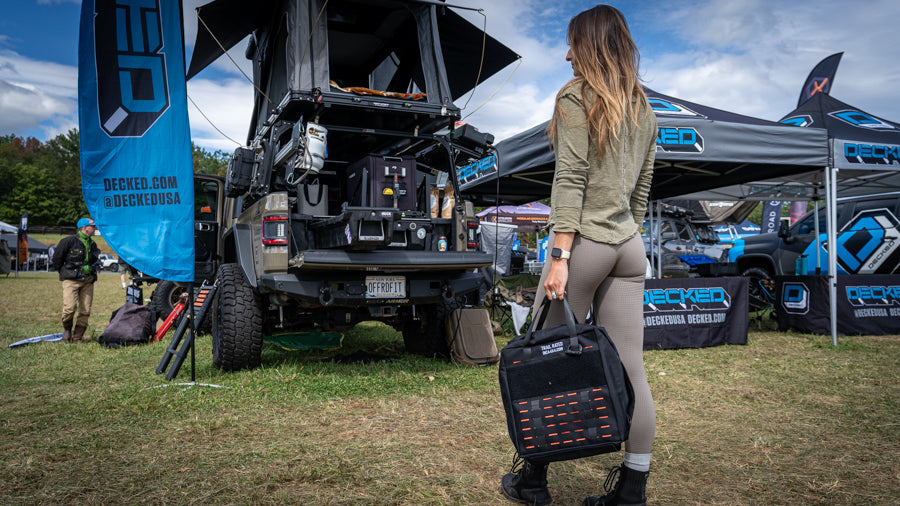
pixel 565 390
pixel 471 337
pixel 383 181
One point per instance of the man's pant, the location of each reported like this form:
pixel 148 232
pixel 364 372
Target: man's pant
pixel 77 298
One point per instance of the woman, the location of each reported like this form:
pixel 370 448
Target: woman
pixel 604 134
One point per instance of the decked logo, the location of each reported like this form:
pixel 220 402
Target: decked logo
pixel 132 90
pixel 687 299
pixel 876 154
pixel 679 140
pixel 803 120
pixel 870 243
pixel 795 298
pixel 873 296
pixel 667 108
pixel 478 169
pixel 861 120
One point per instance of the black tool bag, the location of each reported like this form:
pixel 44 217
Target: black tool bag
pixel 565 390
pixel 129 325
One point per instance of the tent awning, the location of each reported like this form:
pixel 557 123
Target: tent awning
pixel 699 148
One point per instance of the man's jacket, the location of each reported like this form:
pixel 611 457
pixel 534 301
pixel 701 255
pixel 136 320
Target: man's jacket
pixel 69 259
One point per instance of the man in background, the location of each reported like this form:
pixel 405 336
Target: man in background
pixel 75 259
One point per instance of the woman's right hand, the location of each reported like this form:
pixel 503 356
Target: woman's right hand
pixel 557 279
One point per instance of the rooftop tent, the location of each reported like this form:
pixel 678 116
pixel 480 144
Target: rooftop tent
pixel 698 148
pixel 379 75
pixel 403 46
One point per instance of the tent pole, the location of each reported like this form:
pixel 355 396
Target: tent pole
pixel 659 263
pixel 831 190
pixel 818 238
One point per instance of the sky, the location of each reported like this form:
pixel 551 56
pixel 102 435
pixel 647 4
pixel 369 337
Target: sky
pixel 746 56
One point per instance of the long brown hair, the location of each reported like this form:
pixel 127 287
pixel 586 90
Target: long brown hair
pixel 606 62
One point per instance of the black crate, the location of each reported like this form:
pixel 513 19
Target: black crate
pixel 356 229
pixel 371 182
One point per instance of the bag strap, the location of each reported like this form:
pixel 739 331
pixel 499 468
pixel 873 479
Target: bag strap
pixel 306 193
pixel 574 346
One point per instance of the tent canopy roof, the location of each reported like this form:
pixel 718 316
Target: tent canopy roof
pixel 699 148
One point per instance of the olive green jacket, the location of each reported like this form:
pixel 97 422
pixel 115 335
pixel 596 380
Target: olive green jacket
pixel 602 198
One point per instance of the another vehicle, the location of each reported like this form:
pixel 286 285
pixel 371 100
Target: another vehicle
pixel 685 245
pixel 209 205
pixel 108 262
pixel 868 242
pixel 328 220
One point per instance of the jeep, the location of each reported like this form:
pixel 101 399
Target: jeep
pixel 344 205
pixel 684 243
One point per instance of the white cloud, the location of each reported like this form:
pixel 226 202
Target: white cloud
pixel 227 106
pixel 36 95
pixel 752 57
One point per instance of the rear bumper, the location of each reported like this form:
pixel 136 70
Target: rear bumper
pixel 389 261
pixel 348 288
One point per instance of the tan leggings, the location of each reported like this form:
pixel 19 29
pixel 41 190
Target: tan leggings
pixel 611 278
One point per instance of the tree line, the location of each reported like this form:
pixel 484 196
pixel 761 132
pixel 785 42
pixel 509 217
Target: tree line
pixel 44 178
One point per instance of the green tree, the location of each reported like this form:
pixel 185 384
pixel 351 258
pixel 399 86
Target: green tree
pixel 205 162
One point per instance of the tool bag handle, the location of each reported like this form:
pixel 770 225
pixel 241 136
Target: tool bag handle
pixel 574 346
pixel 306 193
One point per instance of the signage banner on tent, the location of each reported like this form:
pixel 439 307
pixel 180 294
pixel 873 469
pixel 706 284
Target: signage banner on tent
pixel 136 158
pixel 866 304
pixel 695 312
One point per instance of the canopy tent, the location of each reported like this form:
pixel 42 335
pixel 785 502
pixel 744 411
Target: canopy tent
pixel 863 149
pixel 529 217
pixel 34 246
pixel 698 148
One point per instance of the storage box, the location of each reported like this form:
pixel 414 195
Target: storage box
pixel 356 229
pixel 382 181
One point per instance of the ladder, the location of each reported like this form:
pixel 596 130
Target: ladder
pixel 201 304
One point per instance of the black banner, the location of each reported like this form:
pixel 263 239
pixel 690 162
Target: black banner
pixel 695 312
pixel 866 304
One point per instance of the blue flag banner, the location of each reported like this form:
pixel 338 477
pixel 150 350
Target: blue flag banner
pixel 136 159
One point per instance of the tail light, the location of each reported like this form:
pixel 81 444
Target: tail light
pixel 275 230
pixel 471 234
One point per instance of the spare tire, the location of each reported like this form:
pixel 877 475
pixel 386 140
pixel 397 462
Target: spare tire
pixel 165 296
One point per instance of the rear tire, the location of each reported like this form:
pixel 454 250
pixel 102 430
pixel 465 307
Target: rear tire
pixel 427 336
pixel 237 322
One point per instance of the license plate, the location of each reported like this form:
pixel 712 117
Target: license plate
pixel 385 287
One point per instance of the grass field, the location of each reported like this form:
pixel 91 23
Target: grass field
pixel 786 419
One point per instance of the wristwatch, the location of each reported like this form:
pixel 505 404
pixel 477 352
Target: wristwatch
pixel 560 253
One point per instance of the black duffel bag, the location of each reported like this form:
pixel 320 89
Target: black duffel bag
pixel 565 390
